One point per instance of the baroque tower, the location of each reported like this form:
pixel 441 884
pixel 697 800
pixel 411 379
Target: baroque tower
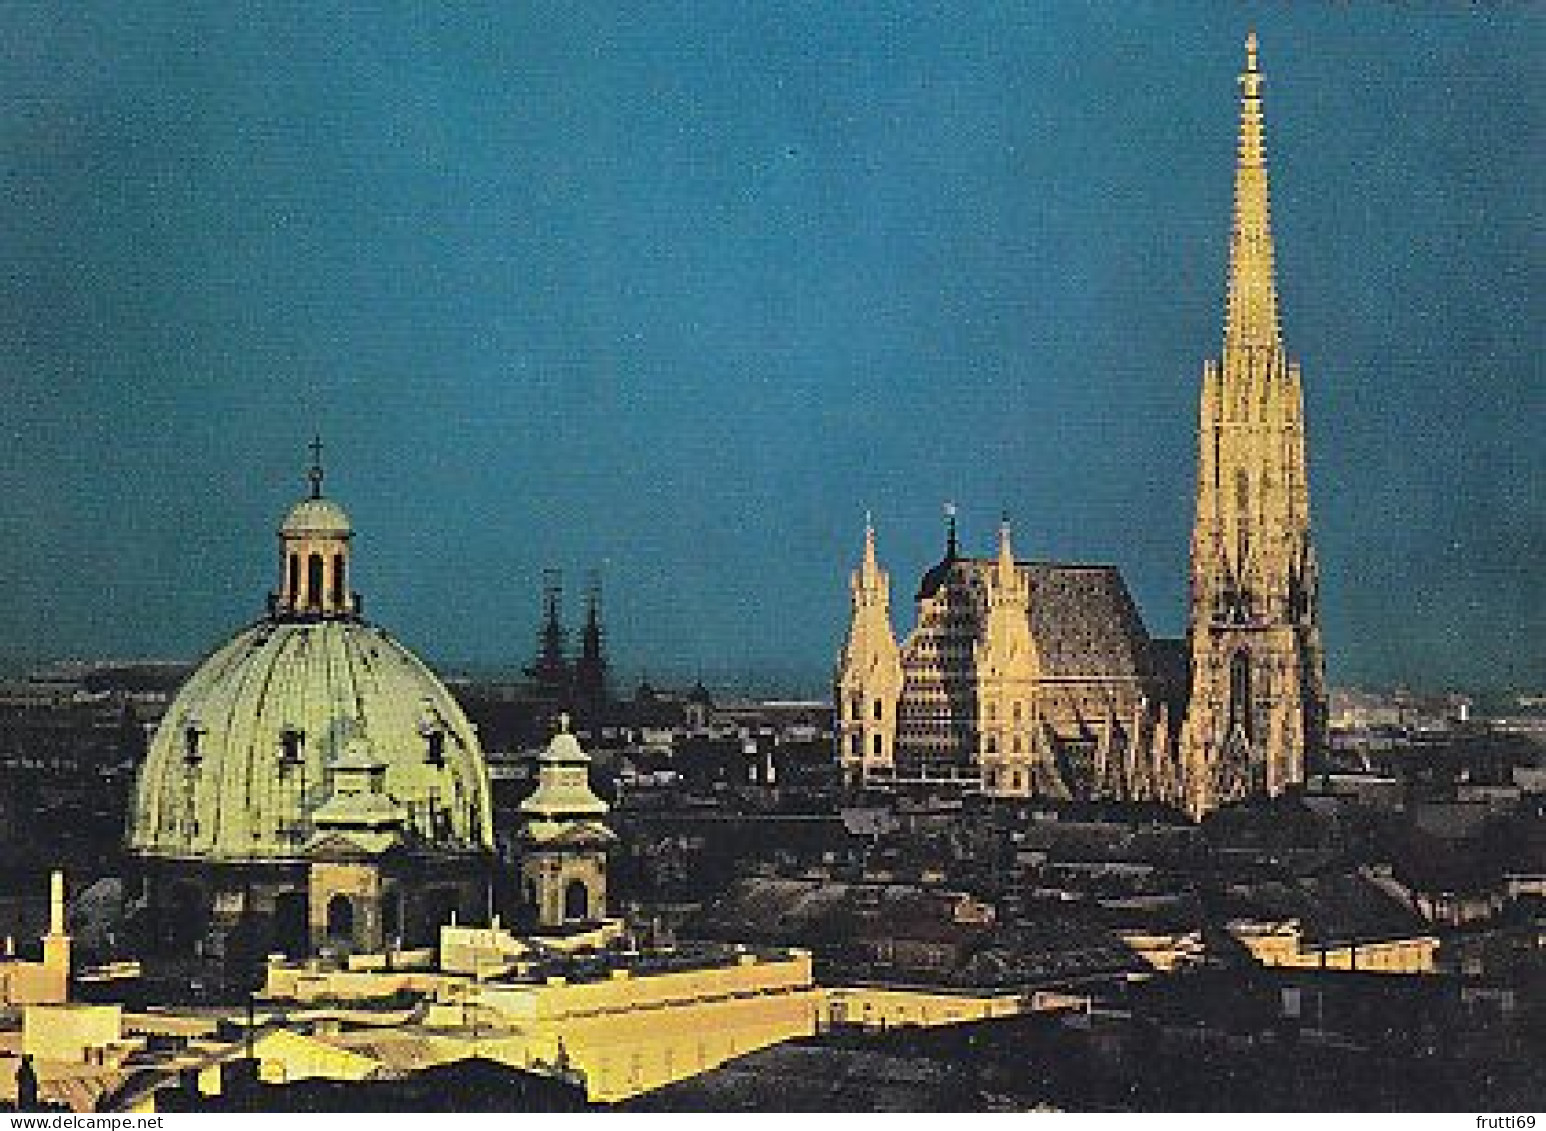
pixel 869 672
pixel 1257 701
pixel 564 840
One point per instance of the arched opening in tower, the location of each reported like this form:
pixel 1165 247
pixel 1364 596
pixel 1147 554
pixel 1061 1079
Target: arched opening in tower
pixel 314 580
pixel 576 902
pixel 340 919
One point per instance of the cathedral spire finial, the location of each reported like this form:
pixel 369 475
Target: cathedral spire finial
pixel 1251 318
pixel 952 545
pixel 314 473
pixel 871 559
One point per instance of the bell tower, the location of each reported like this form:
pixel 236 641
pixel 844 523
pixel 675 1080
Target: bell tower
pixel 564 840
pixel 1257 687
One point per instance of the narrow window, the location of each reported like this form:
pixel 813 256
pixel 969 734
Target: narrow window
pixel 1240 691
pixel 314 581
pixel 294 591
pixel 339 589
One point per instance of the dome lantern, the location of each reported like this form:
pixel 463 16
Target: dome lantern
pixel 314 567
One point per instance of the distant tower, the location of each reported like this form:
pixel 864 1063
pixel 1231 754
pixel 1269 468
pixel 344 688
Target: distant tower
pixel 1258 700
pixel 564 839
pixel 590 669
pixel 551 668
pixel 868 681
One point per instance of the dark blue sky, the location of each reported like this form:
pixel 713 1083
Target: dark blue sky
pixel 680 291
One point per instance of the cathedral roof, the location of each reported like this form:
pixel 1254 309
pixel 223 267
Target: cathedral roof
pixel 935 578
pixel 1083 620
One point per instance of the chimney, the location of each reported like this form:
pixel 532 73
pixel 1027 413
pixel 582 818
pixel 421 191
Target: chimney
pixel 56 903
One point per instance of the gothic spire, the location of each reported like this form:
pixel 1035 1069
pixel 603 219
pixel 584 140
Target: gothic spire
pixel 1006 553
pixel 1251 318
pixel 871 565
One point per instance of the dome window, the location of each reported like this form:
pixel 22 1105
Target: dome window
pixel 291 742
pixel 433 731
pixel 193 736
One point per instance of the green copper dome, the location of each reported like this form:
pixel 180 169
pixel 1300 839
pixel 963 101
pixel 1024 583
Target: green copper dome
pixel 260 743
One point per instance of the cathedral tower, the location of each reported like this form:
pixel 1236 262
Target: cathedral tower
pixel 1257 701
pixel 1006 670
pixel 869 673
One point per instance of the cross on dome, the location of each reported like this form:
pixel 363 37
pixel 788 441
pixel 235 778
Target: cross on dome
pixel 314 473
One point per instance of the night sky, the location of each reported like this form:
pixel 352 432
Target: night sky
pixel 679 292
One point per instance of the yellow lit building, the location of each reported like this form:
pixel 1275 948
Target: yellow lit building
pixel 1284 944
pixel 1038 679
pixel 47 981
pixel 1257 700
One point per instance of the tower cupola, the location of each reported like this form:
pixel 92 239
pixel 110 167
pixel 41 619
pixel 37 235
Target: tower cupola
pixel 314 566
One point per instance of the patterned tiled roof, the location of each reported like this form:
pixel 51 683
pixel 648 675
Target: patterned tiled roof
pixel 1084 621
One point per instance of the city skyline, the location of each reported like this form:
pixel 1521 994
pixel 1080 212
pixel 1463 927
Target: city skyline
pixel 772 275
